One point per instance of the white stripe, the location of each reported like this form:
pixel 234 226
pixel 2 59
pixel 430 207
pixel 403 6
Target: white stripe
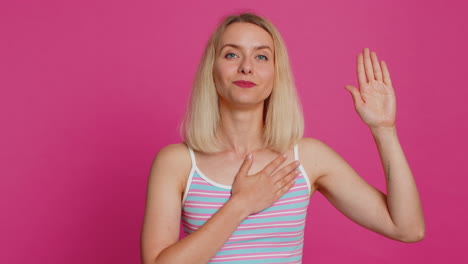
pixel 214 194
pixel 282 244
pixel 271 225
pixel 297 199
pixel 258 215
pixel 191 226
pixel 194 216
pixel 205 205
pixel 269 255
pixel 249 217
pixel 210 181
pixel 299 186
pixel 264 236
pixel 265 225
pixel 187 187
pixel 306 178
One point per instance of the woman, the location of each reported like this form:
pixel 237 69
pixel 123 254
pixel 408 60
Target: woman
pixel 236 182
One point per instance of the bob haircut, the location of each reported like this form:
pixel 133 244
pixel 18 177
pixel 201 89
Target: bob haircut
pixel 283 120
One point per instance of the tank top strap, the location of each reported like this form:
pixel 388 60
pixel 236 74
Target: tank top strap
pixel 188 184
pixel 192 157
pixel 296 152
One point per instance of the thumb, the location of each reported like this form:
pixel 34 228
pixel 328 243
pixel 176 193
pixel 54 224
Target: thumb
pixel 355 94
pixel 246 165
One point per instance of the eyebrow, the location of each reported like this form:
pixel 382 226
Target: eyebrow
pixel 238 47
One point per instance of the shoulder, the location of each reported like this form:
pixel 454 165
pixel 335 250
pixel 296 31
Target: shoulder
pixel 313 148
pixel 174 151
pixel 316 157
pixel 310 145
pixel 174 155
pixel 172 163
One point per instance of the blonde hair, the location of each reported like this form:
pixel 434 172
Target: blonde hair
pixel 282 114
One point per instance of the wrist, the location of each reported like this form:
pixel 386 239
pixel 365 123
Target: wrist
pixel 384 135
pixel 387 130
pixel 238 208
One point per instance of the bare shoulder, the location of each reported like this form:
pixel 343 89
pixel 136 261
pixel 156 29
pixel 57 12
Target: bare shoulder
pixel 178 151
pixel 315 156
pixel 325 161
pixel 174 160
pixel 310 145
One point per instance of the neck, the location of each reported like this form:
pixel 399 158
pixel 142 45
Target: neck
pixel 241 129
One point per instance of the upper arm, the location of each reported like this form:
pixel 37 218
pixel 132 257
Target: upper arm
pixel 161 223
pixel 348 192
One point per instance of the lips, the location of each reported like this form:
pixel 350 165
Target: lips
pixel 244 84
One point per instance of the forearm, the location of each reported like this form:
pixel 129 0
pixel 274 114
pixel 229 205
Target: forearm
pixel 403 200
pixel 204 243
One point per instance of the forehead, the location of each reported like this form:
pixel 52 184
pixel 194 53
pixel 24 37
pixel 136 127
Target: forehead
pixel 246 35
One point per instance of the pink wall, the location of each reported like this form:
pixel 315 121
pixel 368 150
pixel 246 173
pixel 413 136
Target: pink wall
pixel 91 90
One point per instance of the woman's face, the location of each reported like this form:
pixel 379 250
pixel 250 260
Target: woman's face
pixel 244 67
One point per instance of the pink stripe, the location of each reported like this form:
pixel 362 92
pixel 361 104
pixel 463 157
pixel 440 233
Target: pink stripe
pixel 284 224
pixel 300 187
pixel 197 218
pixel 278 223
pixel 280 202
pixel 226 196
pixel 279 213
pixel 194 228
pixel 302 184
pixel 204 204
pixel 198 204
pixel 267 246
pixel 210 191
pixel 290 201
pixel 265 235
pixel 294 262
pixel 201 182
pixel 257 256
pixel 270 226
pixel 203 218
pixel 299 197
pixel 190 227
pixel 261 245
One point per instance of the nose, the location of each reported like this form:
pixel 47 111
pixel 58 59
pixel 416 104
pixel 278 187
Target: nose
pixel 246 66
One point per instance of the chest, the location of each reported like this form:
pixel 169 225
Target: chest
pixel 285 218
pixel 223 169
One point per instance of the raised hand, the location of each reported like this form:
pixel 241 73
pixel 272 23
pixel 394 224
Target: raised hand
pixel 374 101
pixel 258 191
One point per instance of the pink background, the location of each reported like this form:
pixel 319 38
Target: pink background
pixel 91 90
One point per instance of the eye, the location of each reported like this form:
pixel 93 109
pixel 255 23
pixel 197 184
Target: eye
pixel 262 57
pixel 230 55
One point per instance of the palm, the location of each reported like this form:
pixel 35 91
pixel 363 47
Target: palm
pixel 375 99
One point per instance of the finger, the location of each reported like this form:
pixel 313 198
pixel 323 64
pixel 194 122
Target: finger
pixel 287 178
pixel 361 74
pixel 376 65
pixel 285 170
pixel 368 65
pixel 273 165
pixel 246 165
pixel 355 94
pixel 281 191
pixel 386 74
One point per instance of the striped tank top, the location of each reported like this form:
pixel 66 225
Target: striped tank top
pixel 274 235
